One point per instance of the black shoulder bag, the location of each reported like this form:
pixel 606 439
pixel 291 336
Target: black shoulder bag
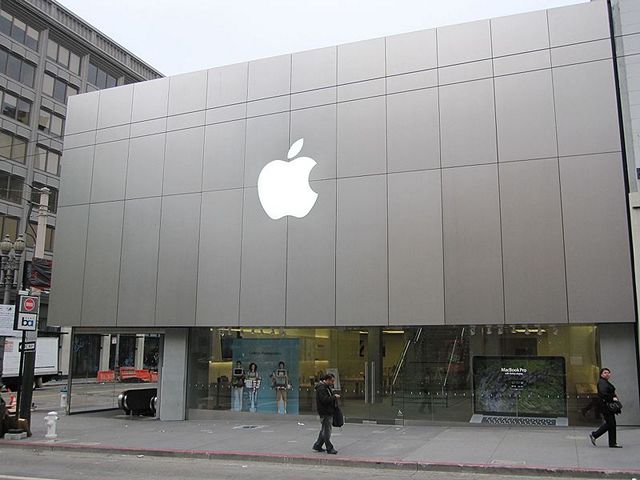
pixel 338 417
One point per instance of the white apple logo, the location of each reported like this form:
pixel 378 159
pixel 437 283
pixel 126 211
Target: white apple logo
pixel 283 187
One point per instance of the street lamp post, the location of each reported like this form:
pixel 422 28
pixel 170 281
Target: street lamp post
pixel 11 253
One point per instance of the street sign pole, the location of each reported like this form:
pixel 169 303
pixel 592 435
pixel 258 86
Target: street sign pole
pixel 27 321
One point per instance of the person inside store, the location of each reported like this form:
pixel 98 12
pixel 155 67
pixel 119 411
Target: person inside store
pixel 237 387
pixel 609 407
pixel 280 382
pixel 326 402
pixel 252 382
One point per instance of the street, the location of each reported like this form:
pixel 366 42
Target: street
pixel 22 464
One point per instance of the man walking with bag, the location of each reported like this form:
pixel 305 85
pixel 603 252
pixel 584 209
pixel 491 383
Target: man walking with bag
pixel 326 402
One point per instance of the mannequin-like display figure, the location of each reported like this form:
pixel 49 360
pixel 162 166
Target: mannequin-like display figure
pixel 252 382
pixel 280 381
pixel 237 387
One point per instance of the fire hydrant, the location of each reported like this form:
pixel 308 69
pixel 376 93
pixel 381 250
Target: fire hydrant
pixel 51 420
pixel 63 398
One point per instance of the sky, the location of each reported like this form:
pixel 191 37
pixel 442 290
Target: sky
pixel 188 35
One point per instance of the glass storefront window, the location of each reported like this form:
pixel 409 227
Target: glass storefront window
pixel 398 375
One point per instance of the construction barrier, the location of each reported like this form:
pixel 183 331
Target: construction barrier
pixel 144 375
pixel 106 376
pixel 127 374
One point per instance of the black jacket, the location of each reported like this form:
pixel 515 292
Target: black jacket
pixel 325 400
pixel 606 392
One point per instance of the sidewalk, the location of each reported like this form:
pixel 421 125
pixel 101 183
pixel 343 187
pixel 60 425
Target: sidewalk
pixel 500 450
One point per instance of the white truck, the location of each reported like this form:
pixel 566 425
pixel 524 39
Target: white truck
pixel 46 361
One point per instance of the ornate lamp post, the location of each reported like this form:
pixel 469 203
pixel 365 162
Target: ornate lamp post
pixel 11 253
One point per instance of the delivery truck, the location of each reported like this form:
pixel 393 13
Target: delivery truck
pixel 46 361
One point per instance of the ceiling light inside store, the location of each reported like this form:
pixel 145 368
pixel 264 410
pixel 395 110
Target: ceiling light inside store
pixel 488 330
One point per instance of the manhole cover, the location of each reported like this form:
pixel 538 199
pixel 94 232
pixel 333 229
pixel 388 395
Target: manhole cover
pixel 248 427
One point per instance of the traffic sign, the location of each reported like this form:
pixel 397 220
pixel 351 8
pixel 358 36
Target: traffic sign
pixel 29 304
pixel 27 347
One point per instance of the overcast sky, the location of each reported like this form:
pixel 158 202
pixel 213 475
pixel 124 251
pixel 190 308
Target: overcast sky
pixel 177 37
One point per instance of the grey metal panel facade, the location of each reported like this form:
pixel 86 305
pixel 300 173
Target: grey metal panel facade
pixel 76 174
pixel 416 276
pixel 472 245
pixel 267 139
pixel 183 161
pixel 178 260
pixel 311 269
pixel 115 107
pixel 313 69
pixel 82 113
pixel 413 131
pixel 65 302
pixel 361 251
pixel 218 295
pixel 515 34
pixel 264 257
pixel 432 157
pixel 597 240
pixel 535 289
pixel 145 166
pixel 223 163
pixel 109 171
pixel 150 100
pixel 362 137
pixel 467 111
pixel 227 85
pixel 139 262
pixel 586 112
pixel 411 52
pixel 525 116
pixel 317 126
pixel 102 264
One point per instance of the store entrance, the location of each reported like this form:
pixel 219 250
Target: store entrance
pixel 368 363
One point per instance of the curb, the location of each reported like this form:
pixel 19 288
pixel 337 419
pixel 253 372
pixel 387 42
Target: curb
pixel 333 461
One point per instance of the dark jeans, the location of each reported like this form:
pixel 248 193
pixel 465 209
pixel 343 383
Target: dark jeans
pixel 609 425
pixel 324 438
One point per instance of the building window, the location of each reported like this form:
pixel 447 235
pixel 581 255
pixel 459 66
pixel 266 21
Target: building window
pixel 47 160
pixel 99 78
pixel 9 226
pixel 58 89
pixel 19 30
pixel 63 56
pixel 12 147
pixel 53 196
pixel 48 239
pixel 15 107
pixel 50 123
pixel 11 187
pixel 17 68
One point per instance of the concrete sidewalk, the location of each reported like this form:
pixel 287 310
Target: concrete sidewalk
pixel 500 450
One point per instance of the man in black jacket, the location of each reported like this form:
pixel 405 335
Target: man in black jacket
pixel 326 404
pixel 606 395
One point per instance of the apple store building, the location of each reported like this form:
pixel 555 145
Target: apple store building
pixel 439 218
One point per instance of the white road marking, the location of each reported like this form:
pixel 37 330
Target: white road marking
pixel 14 477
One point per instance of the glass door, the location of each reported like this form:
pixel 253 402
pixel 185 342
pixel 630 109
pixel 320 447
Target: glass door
pixel 369 362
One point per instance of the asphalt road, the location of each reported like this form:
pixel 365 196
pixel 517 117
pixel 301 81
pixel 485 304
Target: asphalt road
pixel 27 464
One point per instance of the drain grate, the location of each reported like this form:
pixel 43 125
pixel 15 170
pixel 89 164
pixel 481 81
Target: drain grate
pixel 247 427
